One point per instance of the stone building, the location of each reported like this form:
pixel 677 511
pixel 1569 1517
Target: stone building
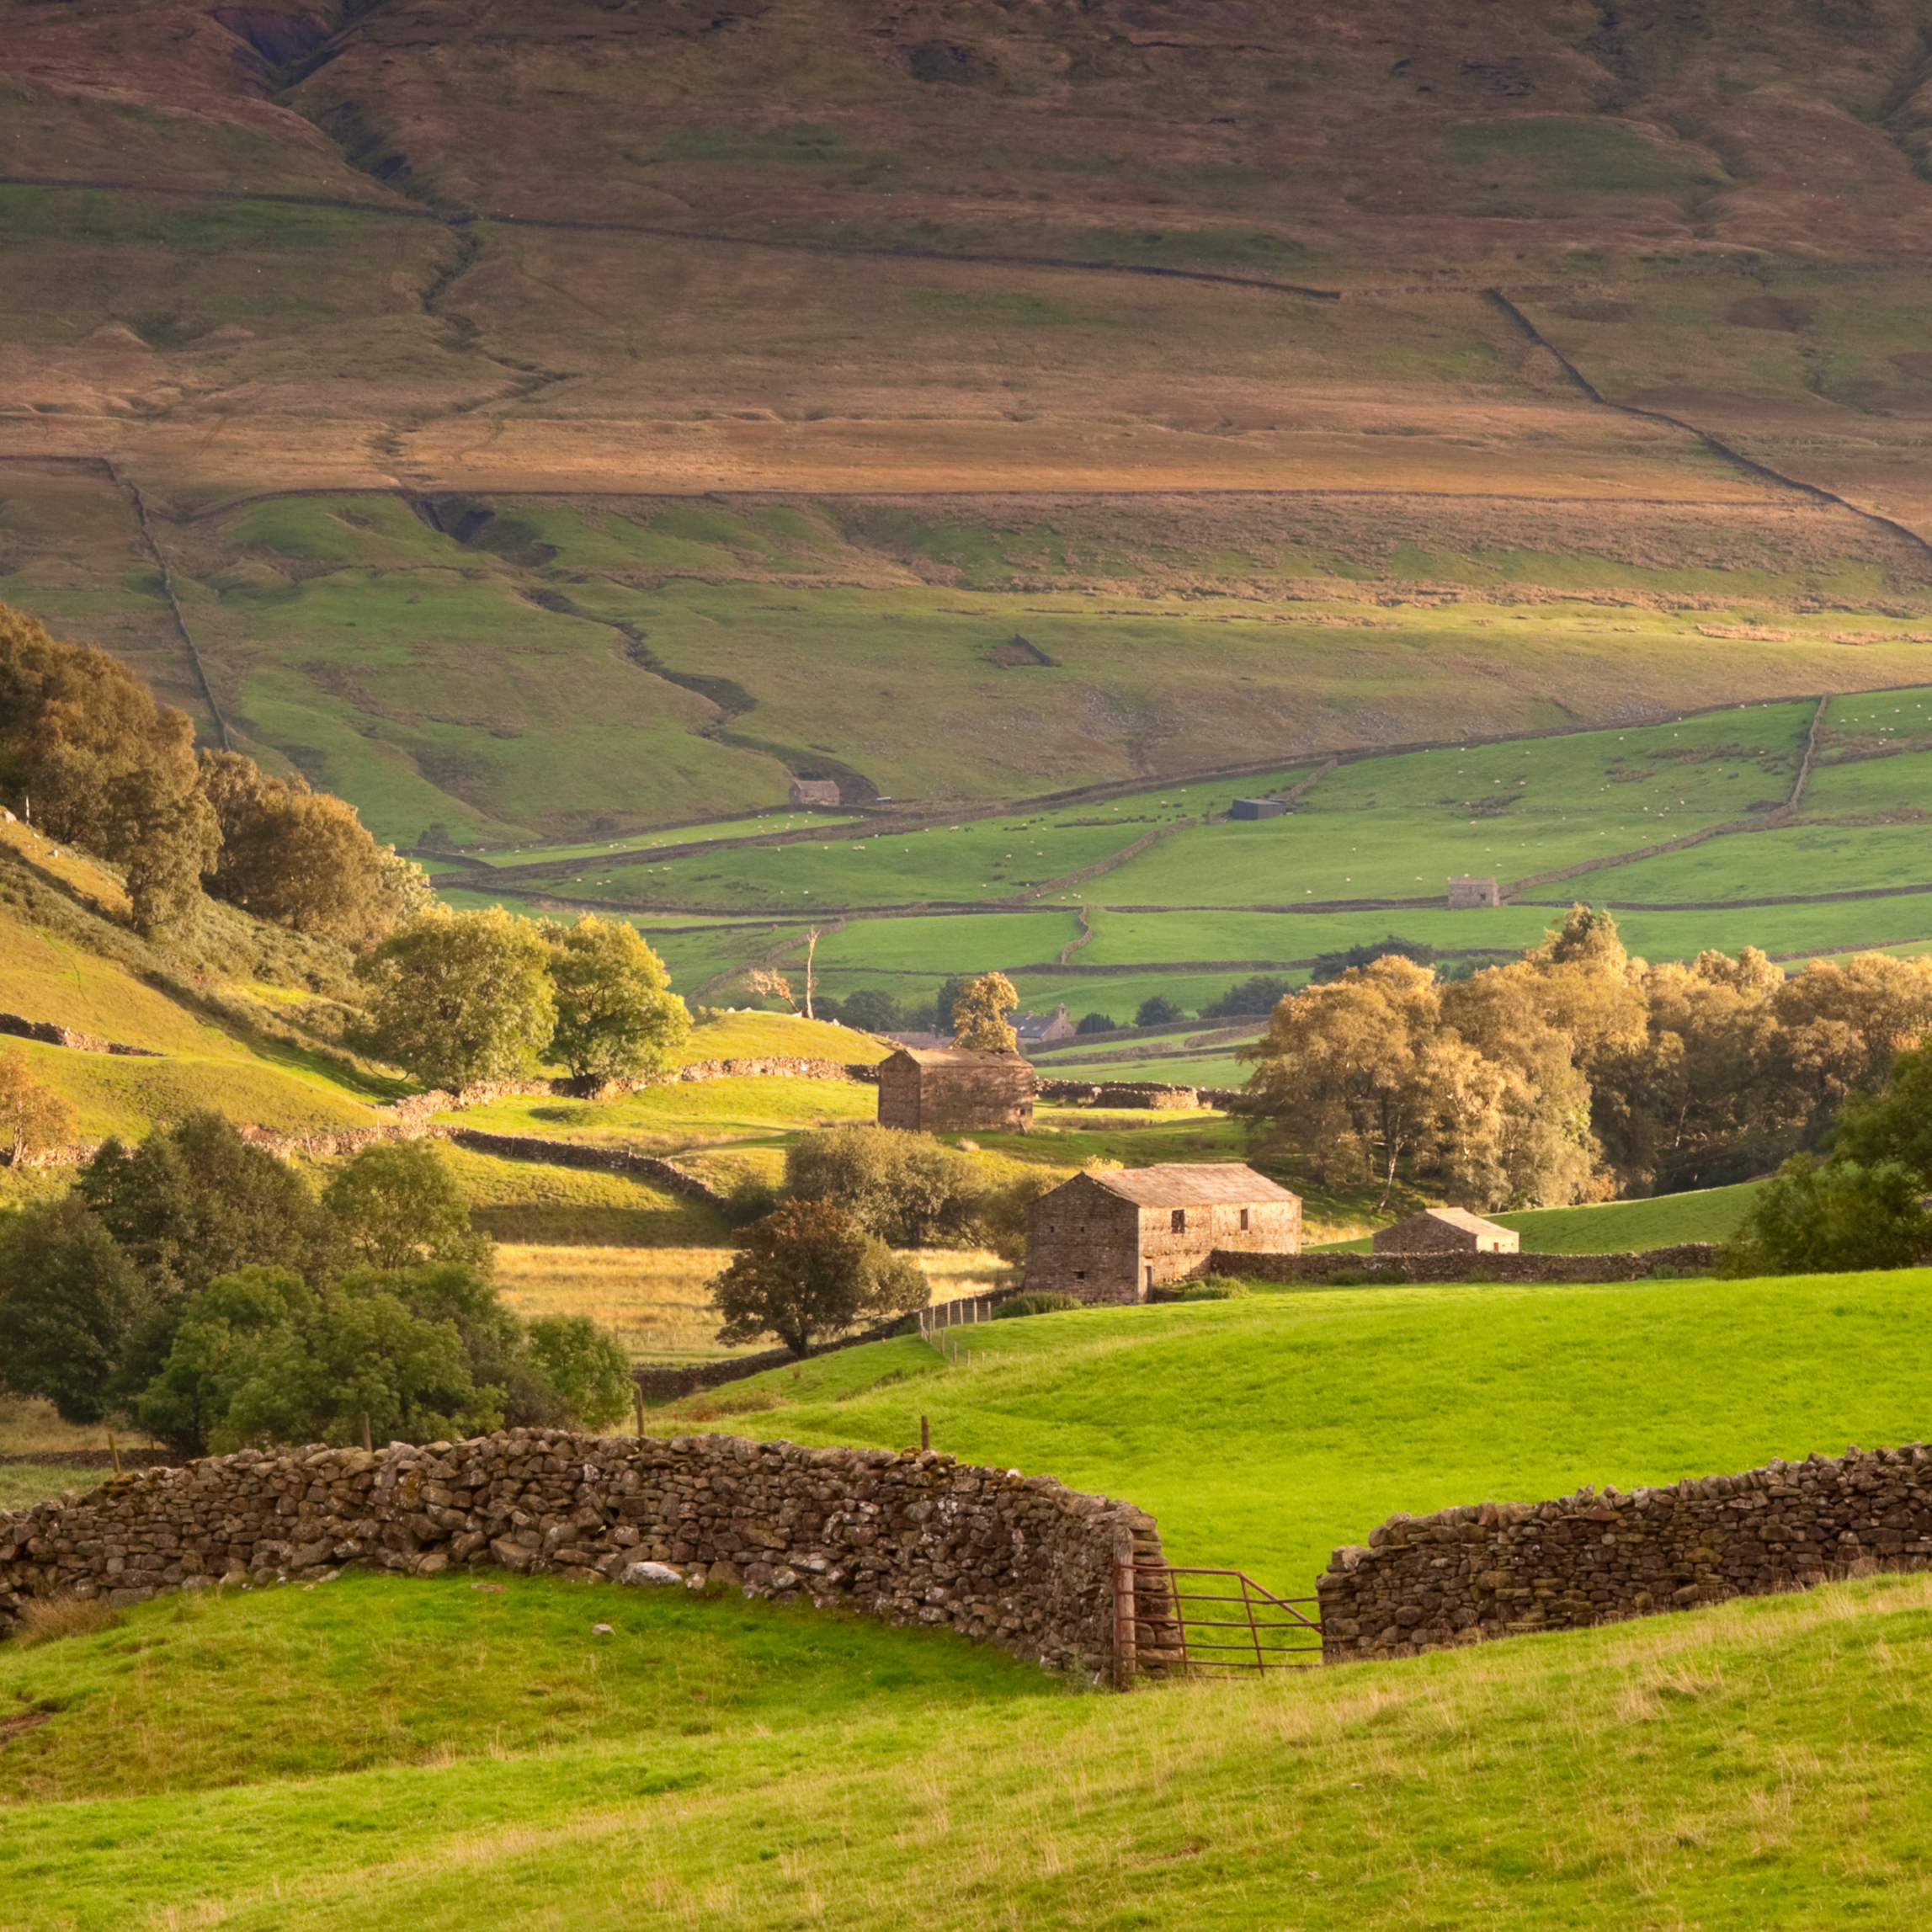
pixel 1260 808
pixel 1445 1231
pixel 1117 1237
pixel 1466 893
pixel 955 1090
pixel 1036 1029
pixel 815 791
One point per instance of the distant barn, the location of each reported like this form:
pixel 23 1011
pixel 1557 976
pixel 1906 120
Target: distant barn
pixel 955 1090
pixel 1467 893
pixel 1259 808
pixel 815 791
pixel 1118 1235
pixel 1446 1230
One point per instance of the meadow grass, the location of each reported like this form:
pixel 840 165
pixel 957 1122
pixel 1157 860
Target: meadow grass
pixel 763 826
pixel 1707 1214
pixel 681 1113
pixel 1266 1430
pixel 530 1201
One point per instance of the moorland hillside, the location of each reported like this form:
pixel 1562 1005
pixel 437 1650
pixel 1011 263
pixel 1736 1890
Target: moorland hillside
pixel 520 419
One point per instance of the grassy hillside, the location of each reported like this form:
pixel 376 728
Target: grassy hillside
pixel 1744 1766
pixel 1710 1214
pixel 1264 1431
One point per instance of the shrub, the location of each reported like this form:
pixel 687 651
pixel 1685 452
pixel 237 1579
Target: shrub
pixel 1159 1011
pixel 1208 1288
pixel 1017 1305
pixel 1098 1022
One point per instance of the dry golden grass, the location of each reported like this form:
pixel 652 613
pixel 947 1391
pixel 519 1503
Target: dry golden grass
pixel 29 1427
pixel 46 1620
pixel 654 1299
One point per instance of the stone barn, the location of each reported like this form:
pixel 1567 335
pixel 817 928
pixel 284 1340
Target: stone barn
pixel 955 1090
pixel 1446 1230
pixel 815 791
pixel 1117 1237
pixel 1466 893
pixel 1259 808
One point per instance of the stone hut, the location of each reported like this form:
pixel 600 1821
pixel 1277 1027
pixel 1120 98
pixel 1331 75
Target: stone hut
pixel 1260 808
pixel 1446 1230
pixel 1117 1237
pixel 955 1090
pixel 1466 893
pixel 815 791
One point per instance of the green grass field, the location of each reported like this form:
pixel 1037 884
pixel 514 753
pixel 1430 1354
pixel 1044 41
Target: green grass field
pixel 383 1751
pixel 1263 1431
pixel 1709 1214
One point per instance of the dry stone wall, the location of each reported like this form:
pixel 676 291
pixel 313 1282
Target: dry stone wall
pixel 913 1537
pixel 1686 1258
pixel 1502 1569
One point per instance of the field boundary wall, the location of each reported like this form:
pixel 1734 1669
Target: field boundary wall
pixel 1480 1571
pixel 1686 1257
pixel 913 1537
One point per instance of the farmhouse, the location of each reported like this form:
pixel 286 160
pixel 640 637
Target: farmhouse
pixel 954 1090
pixel 1035 1029
pixel 1466 893
pixel 1446 1230
pixel 1117 1237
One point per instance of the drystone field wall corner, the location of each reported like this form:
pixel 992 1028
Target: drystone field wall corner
pixel 1504 1569
pixel 912 1537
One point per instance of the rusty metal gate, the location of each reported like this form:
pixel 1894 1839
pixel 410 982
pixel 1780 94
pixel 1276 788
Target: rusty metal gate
pixel 1225 1621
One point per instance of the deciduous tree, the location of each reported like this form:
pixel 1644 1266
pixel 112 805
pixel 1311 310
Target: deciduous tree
pixel 979 1015
pixel 69 1301
pixel 904 1188
pixel 460 997
pixel 34 1119
pixel 616 1015
pixel 810 1269
pixel 398 1205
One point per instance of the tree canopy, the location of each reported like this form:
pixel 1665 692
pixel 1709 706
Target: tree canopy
pixel 979 1015
pixel 616 1015
pixel 810 1269
pixel 457 998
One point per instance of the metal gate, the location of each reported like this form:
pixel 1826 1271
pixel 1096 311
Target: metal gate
pixel 1225 1621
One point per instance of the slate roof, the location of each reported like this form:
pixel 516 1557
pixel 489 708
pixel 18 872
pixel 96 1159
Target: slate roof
pixel 953 1056
pixel 1457 1217
pixel 1192 1184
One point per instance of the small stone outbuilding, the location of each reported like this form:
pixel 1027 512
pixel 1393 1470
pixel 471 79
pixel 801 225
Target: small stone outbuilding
pixel 1467 893
pixel 820 791
pixel 1244 808
pixel 1446 1230
pixel 1117 1237
pixel 955 1090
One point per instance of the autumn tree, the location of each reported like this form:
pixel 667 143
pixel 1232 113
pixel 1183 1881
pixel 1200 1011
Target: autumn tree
pixel 616 1015
pixel 979 1015
pixel 810 1270
pixel 1357 1077
pixel 301 858
pixel 460 997
pixel 34 1119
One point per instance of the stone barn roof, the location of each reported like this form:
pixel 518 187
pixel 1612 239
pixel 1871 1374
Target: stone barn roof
pixel 1192 1184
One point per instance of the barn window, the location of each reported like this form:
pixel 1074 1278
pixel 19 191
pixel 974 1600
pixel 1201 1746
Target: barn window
pixel 1178 1223
pixel 1244 1221
pixel 1079 1274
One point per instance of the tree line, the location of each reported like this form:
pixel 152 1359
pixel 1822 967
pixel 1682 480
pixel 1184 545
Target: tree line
pixel 89 758
pixel 198 1285
pixel 1577 1072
